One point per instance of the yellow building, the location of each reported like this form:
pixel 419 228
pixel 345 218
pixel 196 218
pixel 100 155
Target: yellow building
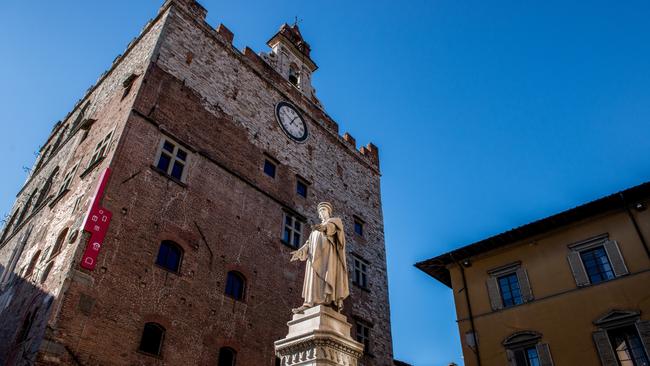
pixel 570 289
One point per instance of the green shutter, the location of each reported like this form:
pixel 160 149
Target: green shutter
pixel 493 293
pixel 604 347
pixel 616 258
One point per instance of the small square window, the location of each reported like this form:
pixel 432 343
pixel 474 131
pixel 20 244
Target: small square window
pixel 269 168
pixel 358 226
pixel 301 188
pixel 172 159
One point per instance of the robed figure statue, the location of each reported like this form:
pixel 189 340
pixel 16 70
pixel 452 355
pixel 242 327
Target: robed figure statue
pixel 326 273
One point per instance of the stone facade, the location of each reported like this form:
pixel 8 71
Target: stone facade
pixel 184 81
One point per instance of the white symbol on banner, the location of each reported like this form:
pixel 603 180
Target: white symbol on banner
pixel 88 260
pixel 95 218
pixel 96 246
pixel 104 218
pixel 96 228
pixel 101 212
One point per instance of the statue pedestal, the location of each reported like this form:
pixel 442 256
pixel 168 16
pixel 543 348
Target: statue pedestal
pixel 320 336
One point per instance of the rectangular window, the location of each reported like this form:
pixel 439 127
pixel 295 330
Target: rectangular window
pixel 301 187
pixel 269 168
pixel 360 274
pixel 363 335
pixel 628 346
pixel 292 231
pixel 509 289
pixel 100 150
pixel 358 226
pixel 172 159
pixel 67 180
pixel 597 265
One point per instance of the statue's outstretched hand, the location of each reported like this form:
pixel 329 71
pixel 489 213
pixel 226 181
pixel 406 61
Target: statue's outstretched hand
pixel 295 256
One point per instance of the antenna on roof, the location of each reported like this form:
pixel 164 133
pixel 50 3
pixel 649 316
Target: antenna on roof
pixel 296 21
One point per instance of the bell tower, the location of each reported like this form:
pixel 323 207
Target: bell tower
pixel 289 56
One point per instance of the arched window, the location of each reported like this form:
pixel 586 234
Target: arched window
pixel 42 158
pixel 46 272
pixel 8 225
pixel 28 204
pixel 152 338
pixel 227 356
pixel 58 245
pixel 32 264
pixel 235 285
pixel 169 256
pixel 294 74
pixel 46 188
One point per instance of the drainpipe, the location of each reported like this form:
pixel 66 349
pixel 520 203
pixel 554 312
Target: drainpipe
pixel 636 225
pixel 469 309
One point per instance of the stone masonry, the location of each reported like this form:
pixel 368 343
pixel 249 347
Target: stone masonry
pixel 182 79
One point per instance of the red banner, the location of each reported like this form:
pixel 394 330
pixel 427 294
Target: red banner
pixel 97 221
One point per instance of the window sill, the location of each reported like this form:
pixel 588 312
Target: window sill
pixel 149 354
pixel 164 174
pixel 366 289
pixel 289 245
pixel 58 198
pixel 243 301
pixel 91 167
pixel 177 273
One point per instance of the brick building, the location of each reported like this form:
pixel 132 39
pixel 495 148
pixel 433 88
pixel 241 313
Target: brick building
pixel 217 160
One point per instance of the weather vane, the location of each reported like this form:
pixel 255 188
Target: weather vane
pixel 296 20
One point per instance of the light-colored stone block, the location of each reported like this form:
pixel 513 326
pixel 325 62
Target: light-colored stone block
pixel 319 336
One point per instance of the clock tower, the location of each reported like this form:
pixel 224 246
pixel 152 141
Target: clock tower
pixel 289 56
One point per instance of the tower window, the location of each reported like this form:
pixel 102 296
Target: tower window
pixel 172 159
pixel 235 285
pixel 100 150
pixel 169 256
pixel 152 339
pixel 363 335
pixel 360 267
pixel 227 356
pixel 294 74
pixel 269 168
pixel 67 180
pixel 301 187
pixel 292 231
pixel 58 244
pixel 358 226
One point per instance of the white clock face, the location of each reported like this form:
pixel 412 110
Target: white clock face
pixel 291 121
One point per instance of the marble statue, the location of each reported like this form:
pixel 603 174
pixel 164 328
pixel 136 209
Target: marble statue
pixel 326 274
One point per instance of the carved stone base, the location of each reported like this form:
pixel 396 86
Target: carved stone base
pixel 320 336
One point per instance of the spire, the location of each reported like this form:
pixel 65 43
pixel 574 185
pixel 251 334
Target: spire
pixel 291 33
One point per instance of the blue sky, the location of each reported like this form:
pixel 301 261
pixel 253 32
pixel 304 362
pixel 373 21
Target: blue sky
pixel 488 115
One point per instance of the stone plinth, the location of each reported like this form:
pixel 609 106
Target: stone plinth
pixel 320 336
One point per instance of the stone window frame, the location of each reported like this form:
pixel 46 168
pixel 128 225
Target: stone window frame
pixel 232 353
pixel 357 221
pixel 365 337
pixel 172 246
pixel 65 184
pixel 494 291
pixel 100 151
pixel 613 320
pixel 293 230
pixel 614 255
pixel 300 181
pixel 361 265
pixel 173 158
pixel 521 342
pixel 161 339
pixel 271 162
pixel 7 274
